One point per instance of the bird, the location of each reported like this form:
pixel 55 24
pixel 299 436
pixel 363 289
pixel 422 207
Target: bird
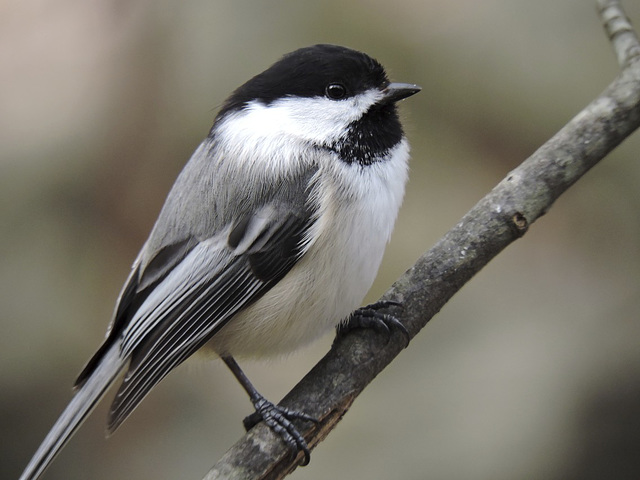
pixel 271 235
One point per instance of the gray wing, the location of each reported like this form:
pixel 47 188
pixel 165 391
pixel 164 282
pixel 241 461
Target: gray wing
pixel 196 299
pixel 214 250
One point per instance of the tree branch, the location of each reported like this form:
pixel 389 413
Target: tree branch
pixel 501 217
pixel 619 30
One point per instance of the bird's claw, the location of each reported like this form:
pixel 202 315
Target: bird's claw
pixel 279 420
pixel 371 317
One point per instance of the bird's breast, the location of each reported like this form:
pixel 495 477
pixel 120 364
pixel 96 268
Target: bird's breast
pixel 357 208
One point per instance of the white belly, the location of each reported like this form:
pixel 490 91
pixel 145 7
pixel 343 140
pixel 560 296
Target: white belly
pixel 335 273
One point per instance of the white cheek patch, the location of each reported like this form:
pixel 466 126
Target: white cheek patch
pixel 318 120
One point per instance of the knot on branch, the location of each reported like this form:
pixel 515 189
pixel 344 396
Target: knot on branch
pixel 520 223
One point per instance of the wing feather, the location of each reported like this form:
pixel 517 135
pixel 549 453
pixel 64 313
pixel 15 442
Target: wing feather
pixel 200 295
pixel 215 248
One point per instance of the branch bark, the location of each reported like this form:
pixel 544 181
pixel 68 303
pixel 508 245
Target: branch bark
pixel 502 216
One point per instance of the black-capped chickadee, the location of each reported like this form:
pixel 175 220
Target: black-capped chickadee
pixel 271 235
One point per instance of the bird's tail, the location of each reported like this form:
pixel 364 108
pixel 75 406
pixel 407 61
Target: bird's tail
pixel 81 405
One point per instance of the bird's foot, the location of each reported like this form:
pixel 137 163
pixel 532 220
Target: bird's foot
pixel 279 419
pixel 371 317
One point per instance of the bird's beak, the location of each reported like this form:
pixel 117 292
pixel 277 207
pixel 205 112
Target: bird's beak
pixel 397 91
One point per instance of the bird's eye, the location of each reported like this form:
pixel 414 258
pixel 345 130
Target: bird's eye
pixel 335 91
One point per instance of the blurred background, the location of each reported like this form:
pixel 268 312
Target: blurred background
pixel 531 371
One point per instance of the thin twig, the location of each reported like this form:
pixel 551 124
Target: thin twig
pixel 501 217
pixel 620 32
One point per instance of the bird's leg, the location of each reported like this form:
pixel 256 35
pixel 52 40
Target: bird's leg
pixel 371 317
pixel 276 417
